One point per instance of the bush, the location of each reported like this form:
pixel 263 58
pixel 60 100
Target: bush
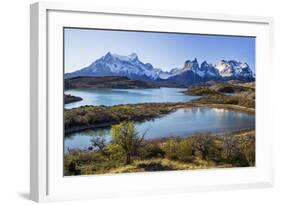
pixel 71 167
pixel 184 150
pixel 248 148
pixel 170 148
pixel 151 150
pixel 178 149
pixel 203 144
pixel 239 151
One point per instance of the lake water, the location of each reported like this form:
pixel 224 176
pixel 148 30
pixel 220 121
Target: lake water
pixel 182 122
pixel 127 96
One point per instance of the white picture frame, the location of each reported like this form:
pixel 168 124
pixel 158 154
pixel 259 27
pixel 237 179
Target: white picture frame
pixel 46 179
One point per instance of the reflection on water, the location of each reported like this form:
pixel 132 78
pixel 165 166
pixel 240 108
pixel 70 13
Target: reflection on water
pixel 182 122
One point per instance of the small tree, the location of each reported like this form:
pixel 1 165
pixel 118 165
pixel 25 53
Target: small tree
pixel 126 136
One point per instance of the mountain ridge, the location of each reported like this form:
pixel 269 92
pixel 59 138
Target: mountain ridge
pixel 191 73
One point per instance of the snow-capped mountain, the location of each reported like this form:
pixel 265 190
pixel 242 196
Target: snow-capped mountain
pixel 209 70
pixel 233 68
pixel 118 65
pixel 168 74
pixel 203 71
pixel 191 72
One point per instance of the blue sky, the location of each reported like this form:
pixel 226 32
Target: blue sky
pixel 162 50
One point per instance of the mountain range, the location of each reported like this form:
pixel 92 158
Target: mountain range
pixel 191 73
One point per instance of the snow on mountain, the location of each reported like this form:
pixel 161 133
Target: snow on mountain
pixel 209 70
pixel 168 74
pixel 224 69
pixel 118 65
pixel 131 67
pixel 234 69
pixel 191 65
pixel 204 70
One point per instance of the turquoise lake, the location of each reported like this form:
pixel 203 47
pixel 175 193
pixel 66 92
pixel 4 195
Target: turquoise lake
pixel 127 96
pixel 181 123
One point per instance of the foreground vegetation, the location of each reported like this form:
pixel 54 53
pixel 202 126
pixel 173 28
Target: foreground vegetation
pixel 128 151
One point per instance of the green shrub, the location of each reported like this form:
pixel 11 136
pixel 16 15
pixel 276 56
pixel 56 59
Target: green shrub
pixel 151 150
pixel 178 149
pixel 170 148
pixel 184 150
pixel 115 152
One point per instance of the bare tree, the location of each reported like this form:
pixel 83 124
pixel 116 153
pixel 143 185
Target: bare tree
pixel 100 143
pixel 202 143
pixel 230 146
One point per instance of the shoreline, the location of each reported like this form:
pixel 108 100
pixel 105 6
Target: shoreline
pixel 172 109
pixel 214 134
pixel 86 127
pixel 229 107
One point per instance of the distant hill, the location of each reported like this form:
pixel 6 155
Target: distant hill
pixel 105 82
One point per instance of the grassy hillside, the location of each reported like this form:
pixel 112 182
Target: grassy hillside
pixel 217 88
pixel 227 100
pixel 231 88
pixel 242 94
